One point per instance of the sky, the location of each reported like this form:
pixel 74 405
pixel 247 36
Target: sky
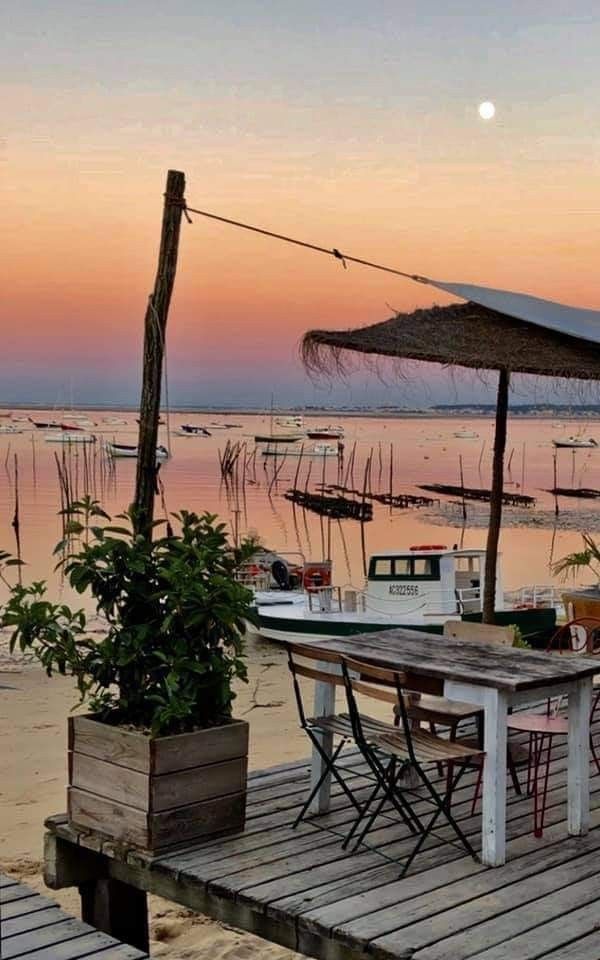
pixel 346 124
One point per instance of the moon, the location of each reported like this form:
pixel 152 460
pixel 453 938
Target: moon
pixel 486 110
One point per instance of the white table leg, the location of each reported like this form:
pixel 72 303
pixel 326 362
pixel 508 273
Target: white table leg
pixel 324 705
pixel 493 817
pixel 580 704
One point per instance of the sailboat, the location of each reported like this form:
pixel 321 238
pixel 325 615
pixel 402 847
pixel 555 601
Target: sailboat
pixel 271 437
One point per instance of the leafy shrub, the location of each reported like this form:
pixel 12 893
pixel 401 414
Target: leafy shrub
pixel 175 617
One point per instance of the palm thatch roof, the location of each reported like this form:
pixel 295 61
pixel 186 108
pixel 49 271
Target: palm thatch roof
pixel 560 342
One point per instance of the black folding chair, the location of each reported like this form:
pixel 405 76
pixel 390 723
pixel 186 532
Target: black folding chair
pixel 391 753
pixel 338 726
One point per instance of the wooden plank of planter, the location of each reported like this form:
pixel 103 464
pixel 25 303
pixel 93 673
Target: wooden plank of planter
pixel 219 815
pixel 193 785
pixel 107 779
pixel 157 830
pixel 188 750
pixel 126 824
pixel 114 744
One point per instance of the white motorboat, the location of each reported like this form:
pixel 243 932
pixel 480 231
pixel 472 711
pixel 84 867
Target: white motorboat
pixel 290 422
pixel 419 588
pixel 10 428
pixel 64 436
pixel 319 450
pixel 465 435
pixel 575 443
pixel 130 450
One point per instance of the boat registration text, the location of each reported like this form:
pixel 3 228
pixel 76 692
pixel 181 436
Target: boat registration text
pixel 404 589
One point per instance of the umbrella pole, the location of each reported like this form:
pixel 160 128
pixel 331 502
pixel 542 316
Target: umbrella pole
pixel 491 556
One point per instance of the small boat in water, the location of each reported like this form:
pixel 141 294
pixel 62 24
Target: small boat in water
pixel 290 422
pixel 45 424
pixel 465 435
pixel 575 443
pixel 10 428
pixel 192 430
pixel 325 433
pixel 278 438
pixel 319 450
pixel 115 421
pixel 64 436
pixel 130 450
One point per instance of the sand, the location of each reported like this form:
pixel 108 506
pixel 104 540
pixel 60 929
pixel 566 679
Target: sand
pixel 33 721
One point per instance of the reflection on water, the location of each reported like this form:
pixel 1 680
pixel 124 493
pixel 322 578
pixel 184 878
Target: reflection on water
pixel 420 451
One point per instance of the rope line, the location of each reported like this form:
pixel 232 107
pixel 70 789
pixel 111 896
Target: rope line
pixel 329 251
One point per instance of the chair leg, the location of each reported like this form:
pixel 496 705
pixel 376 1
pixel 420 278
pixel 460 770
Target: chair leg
pixel 513 772
pixel 477 789
pixel 442 809
pixel 328 768
pixel 545 789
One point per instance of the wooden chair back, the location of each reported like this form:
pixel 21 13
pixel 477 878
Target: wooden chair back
pixel 483 632
pixel 379 683
pixel 300 658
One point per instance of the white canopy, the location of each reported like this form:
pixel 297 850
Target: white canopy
pixel 584 324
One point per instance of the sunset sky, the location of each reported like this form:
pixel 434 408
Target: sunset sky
pixel 348 124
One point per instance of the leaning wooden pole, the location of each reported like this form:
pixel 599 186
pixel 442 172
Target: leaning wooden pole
pixel 155 326
pixel 491 556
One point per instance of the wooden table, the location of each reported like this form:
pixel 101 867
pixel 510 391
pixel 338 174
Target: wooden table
pixel 494 678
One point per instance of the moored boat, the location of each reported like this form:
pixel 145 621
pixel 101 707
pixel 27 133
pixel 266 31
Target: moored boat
pixel 130 450
pixel 192 430
pixel 278 438
pixel 319 450
pixel 45 424
pixel 419 588
pixel 576 442
pixel 465 435
pixel 64 436
pixel 325 433
pixel 10 428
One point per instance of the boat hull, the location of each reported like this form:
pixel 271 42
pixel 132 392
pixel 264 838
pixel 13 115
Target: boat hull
pixel 536 625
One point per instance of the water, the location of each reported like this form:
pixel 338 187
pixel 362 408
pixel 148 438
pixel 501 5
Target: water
pixel 424 451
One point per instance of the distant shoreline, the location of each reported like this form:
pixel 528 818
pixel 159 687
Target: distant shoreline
pixel 376 413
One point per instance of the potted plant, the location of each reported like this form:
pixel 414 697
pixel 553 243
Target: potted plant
pixel 587 559
pixel 159 758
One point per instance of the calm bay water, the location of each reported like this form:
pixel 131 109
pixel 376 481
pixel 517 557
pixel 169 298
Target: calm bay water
pixel 424 451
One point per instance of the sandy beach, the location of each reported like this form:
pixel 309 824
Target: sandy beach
pixel 33 720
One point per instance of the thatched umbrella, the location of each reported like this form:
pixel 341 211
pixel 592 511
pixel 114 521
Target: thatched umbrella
pixel 493 330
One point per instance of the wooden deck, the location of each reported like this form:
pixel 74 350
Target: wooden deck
pixel 299 888
pixel 35 927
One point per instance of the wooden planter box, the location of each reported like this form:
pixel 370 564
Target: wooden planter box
pixel 157 793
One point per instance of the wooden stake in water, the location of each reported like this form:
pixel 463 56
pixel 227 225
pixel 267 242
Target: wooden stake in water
pixel 16 521
pixel 555 484
pixel 462 487
pixel 391 477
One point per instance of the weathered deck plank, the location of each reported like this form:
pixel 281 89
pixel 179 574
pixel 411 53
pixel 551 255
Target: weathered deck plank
pixel 299 888
pixel 33 926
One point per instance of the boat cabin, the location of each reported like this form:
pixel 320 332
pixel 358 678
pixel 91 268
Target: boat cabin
pixel 428 579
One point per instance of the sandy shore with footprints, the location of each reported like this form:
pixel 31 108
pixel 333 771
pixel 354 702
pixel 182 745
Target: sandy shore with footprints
pixel 33 720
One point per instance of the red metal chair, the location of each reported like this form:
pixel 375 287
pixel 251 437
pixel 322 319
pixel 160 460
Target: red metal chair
pixel 579 636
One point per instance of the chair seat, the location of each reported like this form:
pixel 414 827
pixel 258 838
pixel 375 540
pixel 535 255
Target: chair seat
pixel 538 723
pixel 441 710
pixel 427 747
pixel 340 725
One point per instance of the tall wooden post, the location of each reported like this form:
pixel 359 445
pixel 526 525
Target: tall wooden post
pixel 155 326
pixel 491 556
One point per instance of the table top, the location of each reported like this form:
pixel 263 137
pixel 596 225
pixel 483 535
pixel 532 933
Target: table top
pixel 467 661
